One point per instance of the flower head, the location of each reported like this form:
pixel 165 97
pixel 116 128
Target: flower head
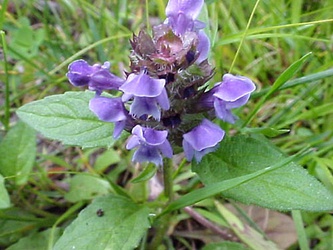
pixel 232 92
pixel 202 139
pixel 151 144
pixel 97 77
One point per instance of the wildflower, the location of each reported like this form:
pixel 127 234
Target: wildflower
pixel 181 17
pixel 232 92
pixel 97 77
pixel 151 143
pixel 202 140
pixel 164 103
pixel 147 93
pixel 110 110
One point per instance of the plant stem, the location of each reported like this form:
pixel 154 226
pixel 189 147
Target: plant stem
pixel 162 224
pixel 168 179
pixel 7 101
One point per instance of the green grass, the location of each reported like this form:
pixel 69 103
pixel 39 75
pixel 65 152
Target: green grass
pixel 43 37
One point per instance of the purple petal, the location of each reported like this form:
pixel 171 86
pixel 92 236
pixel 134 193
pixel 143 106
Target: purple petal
pixel 104 80
pixel 166 149
pixel 191 8
pixel 163 100
pixel 145 106
pixel 188 150
pixel 143 85
pixel 199 154
pixel 203 46
pixel 133 142
pixel 118 128
pixel 205 135
pixel 148 154
pixel 222 112
pixel 108 109
pixel 233 87
pixel 79 73
pixel 154 137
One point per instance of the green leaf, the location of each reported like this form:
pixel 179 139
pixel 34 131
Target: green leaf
pixel 67 118
pixel 15 223
pixel 110 222
pixel 4 196
pixel 85 187
pixel 35 241
pixel 18 153
pixel 221 186
pixel 287 188
pixel 146 174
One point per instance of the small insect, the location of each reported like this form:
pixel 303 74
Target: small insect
pixel 100 212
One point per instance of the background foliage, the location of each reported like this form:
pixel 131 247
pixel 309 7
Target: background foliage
pixel 45 185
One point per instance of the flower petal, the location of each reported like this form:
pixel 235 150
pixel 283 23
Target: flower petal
pixel 191 8
pixel 205 135
pixel 108 109
pixel 148 154
pixel 233 87
pixel 145 106
pixel 143 85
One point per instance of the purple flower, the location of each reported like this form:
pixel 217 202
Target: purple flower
pixel 147 92
pixel 97 77
pixel 181 17
pixel 182 14
pixel 232 92
pixel 110 110
pixel 202 139
pixel 151 144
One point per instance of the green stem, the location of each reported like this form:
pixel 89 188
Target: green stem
pixel 168 179
pixel 162 224
pixel 7 101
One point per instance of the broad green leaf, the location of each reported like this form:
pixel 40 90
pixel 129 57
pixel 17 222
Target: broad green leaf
pixel 67 118
pixel 86 187
pixel 18 153
pixel 110 222
pixel 287 188
pixel 4 196
pixel 35 241
pixel 222 186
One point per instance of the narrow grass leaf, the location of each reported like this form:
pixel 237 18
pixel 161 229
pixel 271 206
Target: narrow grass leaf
pixel 246 233
pixel 282 79
pixel 67 118
pixel 302 239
